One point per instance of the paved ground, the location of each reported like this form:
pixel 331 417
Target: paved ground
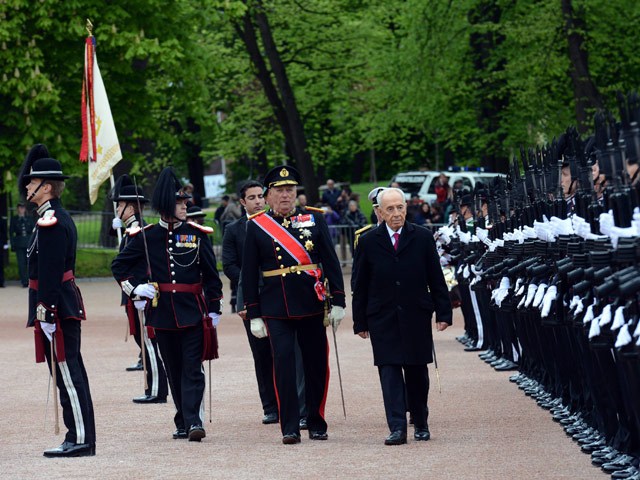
pixel 482 426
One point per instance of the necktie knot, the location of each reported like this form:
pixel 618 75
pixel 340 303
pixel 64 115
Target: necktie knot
pixel 396 239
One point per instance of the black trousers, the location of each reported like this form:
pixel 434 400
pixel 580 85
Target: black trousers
pixel 156 375
pixel 73 384
pixel 312 339
pixel 401 391
pixel 263 363
pixel 182 354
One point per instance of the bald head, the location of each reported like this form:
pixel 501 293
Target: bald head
pixel 393 207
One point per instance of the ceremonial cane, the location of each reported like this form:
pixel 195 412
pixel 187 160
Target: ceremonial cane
pixel 335 346
pixel 435 363
pixel 142 346
pixel 56 428
pixel 210 410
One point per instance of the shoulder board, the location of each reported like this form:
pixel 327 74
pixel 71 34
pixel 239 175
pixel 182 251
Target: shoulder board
pixel 314 209
pixel 363 229
pixel 202 228
pixel 48 219
pixel 261 212
pixel 133 231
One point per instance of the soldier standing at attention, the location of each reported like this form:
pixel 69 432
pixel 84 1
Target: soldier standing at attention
pixel 183 264
pixel 294 253
pixel 128 198
pixel 55 302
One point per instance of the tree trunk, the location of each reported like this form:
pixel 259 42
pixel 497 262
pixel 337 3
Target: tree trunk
pixel 292 115
pixel 483 47
pixel 585 92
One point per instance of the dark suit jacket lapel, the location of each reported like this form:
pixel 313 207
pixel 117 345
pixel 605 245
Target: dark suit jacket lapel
pixel 382 235
pixel 406 236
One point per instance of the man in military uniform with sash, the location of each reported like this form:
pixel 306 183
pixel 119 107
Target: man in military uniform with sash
pixel 294 254
pixel 55 302
pixel 189 290
pixel 128 198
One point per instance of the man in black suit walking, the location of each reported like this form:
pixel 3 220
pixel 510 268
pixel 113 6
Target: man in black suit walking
pixel 252 199
pixel 398 286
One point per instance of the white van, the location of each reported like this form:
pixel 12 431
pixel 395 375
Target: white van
pixel 424 182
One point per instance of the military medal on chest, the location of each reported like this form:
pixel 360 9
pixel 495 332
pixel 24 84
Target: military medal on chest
pixel 187 241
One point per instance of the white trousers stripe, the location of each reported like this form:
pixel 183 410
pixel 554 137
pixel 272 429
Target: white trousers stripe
pixel 476 312
pixel 75 402
pixel 153 364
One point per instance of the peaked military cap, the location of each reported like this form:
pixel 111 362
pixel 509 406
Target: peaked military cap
pixel 281 175
pixel 373 195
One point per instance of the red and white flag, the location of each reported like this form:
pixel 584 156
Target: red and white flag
pixel 100 146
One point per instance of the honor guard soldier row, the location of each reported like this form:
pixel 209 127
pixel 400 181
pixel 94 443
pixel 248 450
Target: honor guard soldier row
pixel 548 273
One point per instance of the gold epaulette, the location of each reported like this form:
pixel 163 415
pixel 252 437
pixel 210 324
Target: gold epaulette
pixel 314 209
pixel 357 234
pixel 256 214
pixel 363 229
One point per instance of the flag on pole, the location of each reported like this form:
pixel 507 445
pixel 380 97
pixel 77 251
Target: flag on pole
pixel 100 146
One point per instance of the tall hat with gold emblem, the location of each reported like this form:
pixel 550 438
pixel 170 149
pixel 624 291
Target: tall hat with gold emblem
pixel 281 175
pixel 168 190
pixel 39 164
pixel 124 190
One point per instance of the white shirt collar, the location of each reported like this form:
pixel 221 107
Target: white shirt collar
pixel 391 232
pixel 164 224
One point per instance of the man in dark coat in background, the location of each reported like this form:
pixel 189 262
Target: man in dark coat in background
pixel 398 286
pixel 252 199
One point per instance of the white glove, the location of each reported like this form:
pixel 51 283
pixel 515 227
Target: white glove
pixel 539 295
pixel 605 317
pixel 116 223
pixel 531 293
pixel 6 246
pixel 215 318
pixel 618 319
pixel 140 304
pixel 547 301
pixel 335 316
pixel 258 328
pixel 48 329
pixel 145 290
pixel 623 337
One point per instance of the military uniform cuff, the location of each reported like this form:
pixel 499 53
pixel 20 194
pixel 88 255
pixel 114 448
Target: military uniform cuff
pixel 338 299
pixel 127 287
pixel 253 311
pixel 45 313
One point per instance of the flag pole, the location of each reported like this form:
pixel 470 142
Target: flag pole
pixel 115 208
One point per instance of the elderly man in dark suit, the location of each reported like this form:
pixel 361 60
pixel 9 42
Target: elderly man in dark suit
pixel 398 286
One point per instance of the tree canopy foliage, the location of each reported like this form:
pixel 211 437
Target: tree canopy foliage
pixel 412 83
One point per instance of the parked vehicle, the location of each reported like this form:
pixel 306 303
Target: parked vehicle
pixel 423 183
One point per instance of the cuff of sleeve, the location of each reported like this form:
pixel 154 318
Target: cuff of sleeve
pixel 45 313
pixel 338 299
pixel 127 287
pixel 214 306
pixel 253 311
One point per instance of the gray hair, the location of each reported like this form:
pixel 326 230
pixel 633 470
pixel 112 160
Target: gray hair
pixel 386 191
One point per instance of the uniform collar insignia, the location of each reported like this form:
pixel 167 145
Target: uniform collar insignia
pixel 44 207
pixel 164 224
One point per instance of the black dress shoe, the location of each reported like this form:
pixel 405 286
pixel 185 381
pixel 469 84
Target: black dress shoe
pixel 629 472
pixel 422 434
pixel 180 434
pixel 196 433
pixel 506 366
pixel 472 348
pixel 270 418
pixel 302 424
pixel 68 449
pixel 313 435
pixel 136 367
pixel 291 438
pixel 398 437
pixel 149 399
pixel 621 462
